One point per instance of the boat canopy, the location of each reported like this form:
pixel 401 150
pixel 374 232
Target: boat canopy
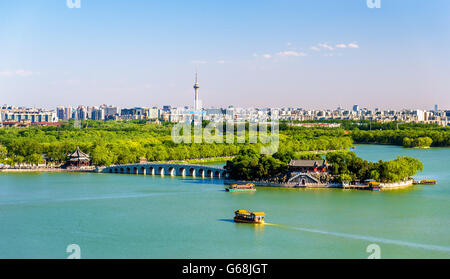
pixel 259 213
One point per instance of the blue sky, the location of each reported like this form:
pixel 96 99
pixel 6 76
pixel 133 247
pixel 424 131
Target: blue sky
pixel 311 53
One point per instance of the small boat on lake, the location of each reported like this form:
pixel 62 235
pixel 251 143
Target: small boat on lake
pixel 374 186
pixel 241 188
pixel 426 182
pixel 245 216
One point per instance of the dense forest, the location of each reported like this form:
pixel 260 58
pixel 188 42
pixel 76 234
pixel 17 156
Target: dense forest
pixel 345 166
pixel 127 142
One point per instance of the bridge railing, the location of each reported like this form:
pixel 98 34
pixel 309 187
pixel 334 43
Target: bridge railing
pixel 168 169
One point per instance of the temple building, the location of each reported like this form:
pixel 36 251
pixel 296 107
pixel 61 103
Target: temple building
pixel 307 166
pixel 78 159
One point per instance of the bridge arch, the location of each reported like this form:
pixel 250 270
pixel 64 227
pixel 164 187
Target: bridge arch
pixel 217 173
pixel 161 171
pixel 201 172
pixel 209 173
pixel 151 171
pixel 192 172
pixel 182 171
pixel 172 171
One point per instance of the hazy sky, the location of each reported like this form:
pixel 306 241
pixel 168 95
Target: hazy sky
pixel 310 53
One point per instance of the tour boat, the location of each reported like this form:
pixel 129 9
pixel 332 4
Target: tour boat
pixel 425 181
pixel 245 216
pixel 241 188
pixel 428 181
pixel 374 186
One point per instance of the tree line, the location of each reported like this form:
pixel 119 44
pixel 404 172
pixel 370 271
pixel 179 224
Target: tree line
pixel 395 133
pixel 128 141
pixel 406 137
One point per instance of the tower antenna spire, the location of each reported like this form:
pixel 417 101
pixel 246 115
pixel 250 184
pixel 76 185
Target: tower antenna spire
pixel 196 73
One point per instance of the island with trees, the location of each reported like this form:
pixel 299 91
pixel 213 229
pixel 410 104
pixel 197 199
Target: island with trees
pixel 334 169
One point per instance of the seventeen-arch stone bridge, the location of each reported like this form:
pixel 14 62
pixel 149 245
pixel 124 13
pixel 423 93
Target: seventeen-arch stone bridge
pixel 168 169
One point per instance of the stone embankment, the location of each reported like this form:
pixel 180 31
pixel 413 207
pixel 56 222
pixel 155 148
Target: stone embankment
pixel 383 186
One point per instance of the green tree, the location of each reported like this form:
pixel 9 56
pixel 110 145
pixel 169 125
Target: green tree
pixel 102 156
pixel 34 159
pixel 3 154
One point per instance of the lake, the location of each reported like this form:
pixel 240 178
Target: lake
pixel 130 216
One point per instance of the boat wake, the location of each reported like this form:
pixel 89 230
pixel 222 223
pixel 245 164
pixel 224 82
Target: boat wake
pixel 367 238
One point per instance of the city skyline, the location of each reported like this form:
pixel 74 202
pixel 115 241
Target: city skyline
pixel 362 107
pixel 265 54
pixel 13 116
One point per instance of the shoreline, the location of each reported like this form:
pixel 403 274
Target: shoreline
pixel 399 145
pixel 199 161
pixel 383 186
pixel 45 170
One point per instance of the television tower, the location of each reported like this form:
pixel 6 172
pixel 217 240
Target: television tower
pixel 196 101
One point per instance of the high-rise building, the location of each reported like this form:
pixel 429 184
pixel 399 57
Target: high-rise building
pixel 154 113
pixel 111 112
pixel 355 108
pixel 98 114
pixel 82 113
pixel 68 113
pixel 60 113
pixel 420 114
pixel 436 108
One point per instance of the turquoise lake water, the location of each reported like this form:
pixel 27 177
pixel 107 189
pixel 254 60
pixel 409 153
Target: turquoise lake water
pixel 129 216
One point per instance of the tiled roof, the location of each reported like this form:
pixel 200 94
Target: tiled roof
pixel 78 154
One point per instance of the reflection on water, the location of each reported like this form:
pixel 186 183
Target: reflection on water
pixel 227 220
